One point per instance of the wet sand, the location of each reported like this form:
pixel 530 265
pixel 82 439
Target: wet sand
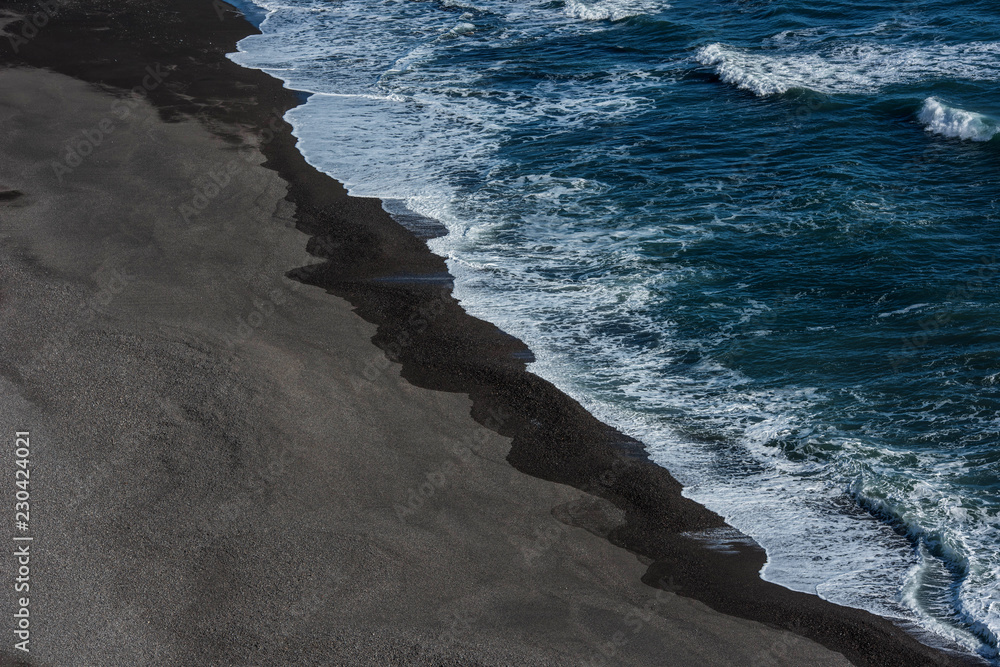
pixel 263 431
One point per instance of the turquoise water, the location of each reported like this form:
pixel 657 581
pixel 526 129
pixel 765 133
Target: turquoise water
pixel 761 237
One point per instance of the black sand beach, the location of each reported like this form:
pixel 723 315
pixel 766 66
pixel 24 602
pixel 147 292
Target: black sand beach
pixel 266 434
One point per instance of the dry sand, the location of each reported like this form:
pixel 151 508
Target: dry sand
pixel 203 499
pixel 228 470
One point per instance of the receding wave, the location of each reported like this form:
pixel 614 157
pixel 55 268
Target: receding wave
pixel 947 121
pixel 851 68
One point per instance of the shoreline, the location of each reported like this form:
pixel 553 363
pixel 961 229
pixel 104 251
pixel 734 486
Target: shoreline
pixel 394 283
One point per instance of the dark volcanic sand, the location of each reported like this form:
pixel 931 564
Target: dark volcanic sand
pixel 222 584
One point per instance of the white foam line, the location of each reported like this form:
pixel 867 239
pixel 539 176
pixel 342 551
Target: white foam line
pixel 389 97
pixel 903 310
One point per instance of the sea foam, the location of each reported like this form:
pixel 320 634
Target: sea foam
pixel 858 67
pixel 552 255
pixel 612 10
pixel 947 121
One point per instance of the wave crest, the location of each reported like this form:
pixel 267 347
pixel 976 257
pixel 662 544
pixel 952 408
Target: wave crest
pixel 744 71
pixel 859 67
pixel 947 121
pixel 612 10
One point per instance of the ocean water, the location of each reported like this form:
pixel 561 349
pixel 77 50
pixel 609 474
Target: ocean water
pixel 761 237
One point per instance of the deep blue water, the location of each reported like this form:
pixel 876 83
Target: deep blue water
pixel 762 237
